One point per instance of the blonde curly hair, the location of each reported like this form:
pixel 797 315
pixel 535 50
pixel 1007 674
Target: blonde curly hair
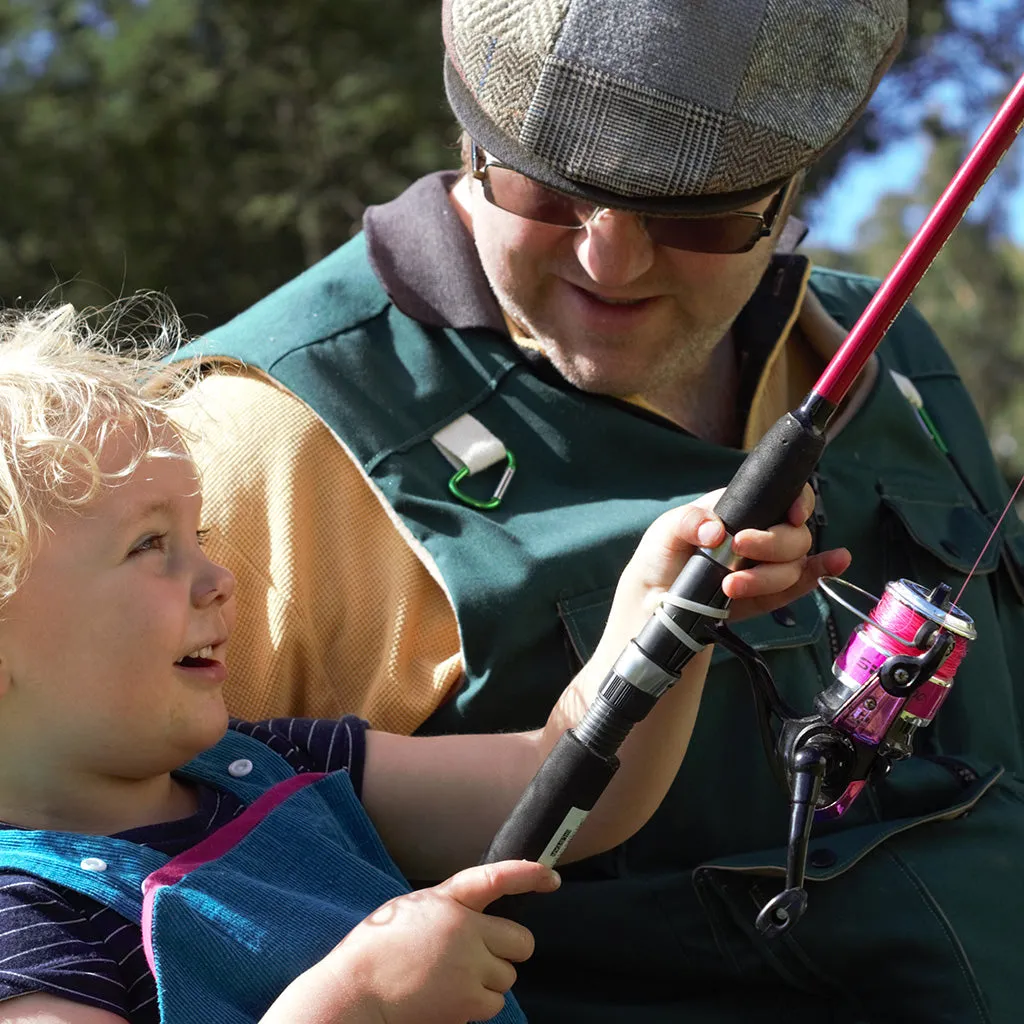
pixel 66 387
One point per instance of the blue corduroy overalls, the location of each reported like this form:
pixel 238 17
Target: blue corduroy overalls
pixel 231 922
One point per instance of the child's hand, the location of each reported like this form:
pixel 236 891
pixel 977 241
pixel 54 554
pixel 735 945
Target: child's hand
pixel 433 956
pixel 784 573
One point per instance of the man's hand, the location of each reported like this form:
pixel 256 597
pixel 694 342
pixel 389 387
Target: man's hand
pixel 429 957
pixel 784 571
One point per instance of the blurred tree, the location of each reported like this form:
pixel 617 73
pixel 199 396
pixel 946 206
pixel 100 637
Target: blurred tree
pixel 959 58
pixel 211 148
pixel 960 61
pixel 973 295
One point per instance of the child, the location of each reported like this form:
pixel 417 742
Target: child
pixel 158 863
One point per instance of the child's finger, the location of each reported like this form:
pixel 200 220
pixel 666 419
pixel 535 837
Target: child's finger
pixel 476 887
pixel 498 975
pixel 833 562
pixel 767 578
pixel 685 527
pixel 508 940
pixel 801 509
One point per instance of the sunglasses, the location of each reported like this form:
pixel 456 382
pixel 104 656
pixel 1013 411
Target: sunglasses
pixel 734 232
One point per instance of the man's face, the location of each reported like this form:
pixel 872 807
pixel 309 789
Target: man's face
pixel 614 313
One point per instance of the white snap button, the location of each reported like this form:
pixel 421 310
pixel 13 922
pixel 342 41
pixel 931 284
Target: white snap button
pixel 240 767
pixel 93 864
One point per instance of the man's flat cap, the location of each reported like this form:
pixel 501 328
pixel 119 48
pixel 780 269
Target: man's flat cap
pixel 671 106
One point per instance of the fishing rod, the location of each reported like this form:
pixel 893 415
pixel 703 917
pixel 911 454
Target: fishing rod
pixel 892 676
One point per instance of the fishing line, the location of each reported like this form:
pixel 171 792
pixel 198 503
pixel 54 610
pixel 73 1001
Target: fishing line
pixel 991 537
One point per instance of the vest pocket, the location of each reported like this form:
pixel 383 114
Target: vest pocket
pixel 934 537
pixel 1013 539
pixel 939 885
pixel 797 624
pixel 584 617
pixel 950 528
pixel 953 531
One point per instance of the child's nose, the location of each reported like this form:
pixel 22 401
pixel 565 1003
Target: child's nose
pixel 215 584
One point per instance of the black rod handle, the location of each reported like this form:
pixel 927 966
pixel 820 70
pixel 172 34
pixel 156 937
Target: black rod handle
pixel 554 804
pixel 773 474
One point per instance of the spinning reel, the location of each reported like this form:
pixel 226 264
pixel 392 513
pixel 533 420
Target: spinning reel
pixel 889 680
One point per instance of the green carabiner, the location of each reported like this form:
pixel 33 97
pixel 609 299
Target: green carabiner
pixel 495 499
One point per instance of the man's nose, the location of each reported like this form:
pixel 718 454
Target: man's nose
pixel 614 248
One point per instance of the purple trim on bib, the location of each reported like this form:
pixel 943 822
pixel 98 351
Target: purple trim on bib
pixel 213 847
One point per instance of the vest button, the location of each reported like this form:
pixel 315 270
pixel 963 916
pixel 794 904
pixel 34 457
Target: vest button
pixel 93 864
pixel 784 616
pixel 240 767
pixel 822 857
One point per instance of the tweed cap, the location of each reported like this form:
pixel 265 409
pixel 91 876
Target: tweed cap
pixel 670 106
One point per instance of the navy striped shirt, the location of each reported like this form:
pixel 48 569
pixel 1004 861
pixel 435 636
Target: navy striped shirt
pixel 57 941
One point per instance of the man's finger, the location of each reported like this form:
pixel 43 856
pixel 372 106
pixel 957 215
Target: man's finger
pixel 476 887
pixel 828 563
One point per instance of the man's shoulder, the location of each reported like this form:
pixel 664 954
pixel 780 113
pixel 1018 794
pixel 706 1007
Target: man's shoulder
pixel 335 295
pixel 911 343
pixel 842 290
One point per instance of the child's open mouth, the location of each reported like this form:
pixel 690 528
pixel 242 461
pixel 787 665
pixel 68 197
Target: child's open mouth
pixel 201 663
pixel 200 658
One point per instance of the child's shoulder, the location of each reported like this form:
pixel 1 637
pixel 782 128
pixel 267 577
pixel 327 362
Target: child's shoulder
pixel 313 744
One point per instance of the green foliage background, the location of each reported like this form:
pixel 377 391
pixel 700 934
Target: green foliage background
pixel 211 149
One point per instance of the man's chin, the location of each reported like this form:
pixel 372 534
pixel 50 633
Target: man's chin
pixel 595 380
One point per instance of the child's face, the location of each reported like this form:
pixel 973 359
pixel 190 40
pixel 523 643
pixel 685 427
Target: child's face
pixel 91 645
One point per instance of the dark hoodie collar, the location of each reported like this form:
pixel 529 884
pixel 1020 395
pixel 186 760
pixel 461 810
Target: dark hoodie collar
pixel 426 259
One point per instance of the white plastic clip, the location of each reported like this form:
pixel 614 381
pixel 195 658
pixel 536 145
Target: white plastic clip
pixel 471 448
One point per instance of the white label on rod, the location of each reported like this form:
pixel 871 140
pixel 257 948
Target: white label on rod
pixel 569 827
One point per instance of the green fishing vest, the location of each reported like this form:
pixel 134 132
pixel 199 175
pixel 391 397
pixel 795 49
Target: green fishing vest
pixel 660 929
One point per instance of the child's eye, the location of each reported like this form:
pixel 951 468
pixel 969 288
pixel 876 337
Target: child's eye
pixel 201 536
pixel 152 542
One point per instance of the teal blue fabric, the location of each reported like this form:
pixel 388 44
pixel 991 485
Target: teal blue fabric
pixel 659 929
pixel 232 934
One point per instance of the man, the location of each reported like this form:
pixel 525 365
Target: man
pixel 448 435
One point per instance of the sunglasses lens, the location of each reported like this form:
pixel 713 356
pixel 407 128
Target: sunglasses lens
pixel 524 197
pixel 516 193
pixel 728 233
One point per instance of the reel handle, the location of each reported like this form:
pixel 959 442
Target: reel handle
pixel 779 914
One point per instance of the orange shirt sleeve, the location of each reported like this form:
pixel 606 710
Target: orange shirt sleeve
pixel 338 610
